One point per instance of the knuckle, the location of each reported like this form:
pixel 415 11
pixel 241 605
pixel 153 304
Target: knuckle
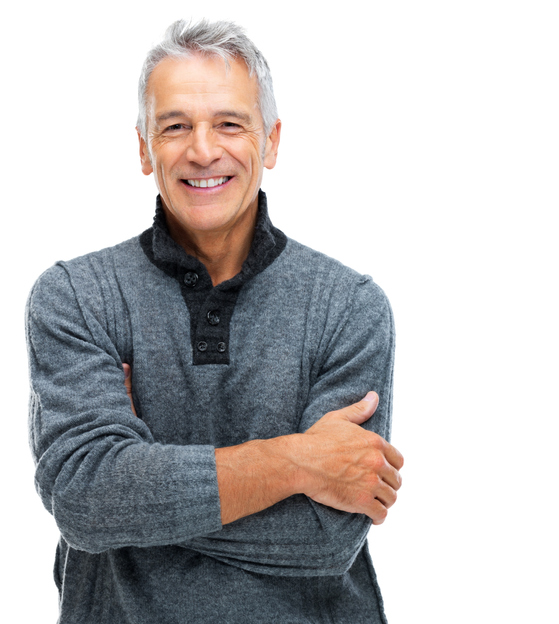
pixel 398 480
pixel 363 499
pixel 375 440
pixel 352 410
pixel 374 481
pixel 382 444
pixel 377 462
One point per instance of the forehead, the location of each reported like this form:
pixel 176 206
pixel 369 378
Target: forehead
pixel 201 83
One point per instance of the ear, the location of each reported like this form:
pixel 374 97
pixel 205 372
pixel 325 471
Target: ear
pixel 144 155
pixel 272 145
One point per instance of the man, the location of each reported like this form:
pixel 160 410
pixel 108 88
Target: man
pixel 240 484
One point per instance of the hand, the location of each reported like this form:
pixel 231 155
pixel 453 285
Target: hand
pixel 347 467
pixel 128 384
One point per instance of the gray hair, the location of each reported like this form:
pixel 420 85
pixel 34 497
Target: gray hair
pixel 224 39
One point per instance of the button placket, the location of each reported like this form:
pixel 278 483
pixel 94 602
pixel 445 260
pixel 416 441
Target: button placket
pixel 212 325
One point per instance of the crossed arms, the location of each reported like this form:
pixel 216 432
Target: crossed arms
pixel 335 462
pixel 303 502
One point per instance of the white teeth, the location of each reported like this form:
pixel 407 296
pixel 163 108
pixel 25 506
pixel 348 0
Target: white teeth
pixel 211 182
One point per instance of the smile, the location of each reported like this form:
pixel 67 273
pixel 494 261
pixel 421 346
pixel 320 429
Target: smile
pixel 209 182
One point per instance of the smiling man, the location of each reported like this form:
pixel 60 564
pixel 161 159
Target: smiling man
pixel 210 400
pixel 207 146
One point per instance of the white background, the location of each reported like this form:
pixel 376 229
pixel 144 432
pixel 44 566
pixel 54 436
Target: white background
pixel 420 145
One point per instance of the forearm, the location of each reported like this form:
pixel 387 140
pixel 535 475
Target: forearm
pixel 272 528
pixel 256 475
pixel 110 492
pixel 295 537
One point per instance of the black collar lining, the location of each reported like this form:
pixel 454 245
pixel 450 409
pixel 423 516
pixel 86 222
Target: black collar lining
pixel 210 343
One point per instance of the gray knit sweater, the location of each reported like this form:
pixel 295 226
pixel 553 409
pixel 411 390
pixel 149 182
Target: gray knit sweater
pixel 295 335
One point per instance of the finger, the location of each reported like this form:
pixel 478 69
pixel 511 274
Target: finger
pixel 392 477
pixel 377 512
pixel 127 378
pixel 386 495
pixel 128 384
pixel 361 411
pixel 394 456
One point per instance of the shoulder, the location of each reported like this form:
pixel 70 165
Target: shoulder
pixel 338 304
pixel 125 253
pixel 82 287
pixel 331 280
pixel 87 270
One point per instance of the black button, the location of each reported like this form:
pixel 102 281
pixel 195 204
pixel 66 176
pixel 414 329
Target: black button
pixel 213 317
pixel 190 279
pixel 202 346
pixel 221 346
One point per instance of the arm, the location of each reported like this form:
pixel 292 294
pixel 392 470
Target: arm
pixel 98 469
pixel 300 536
pixel 334 463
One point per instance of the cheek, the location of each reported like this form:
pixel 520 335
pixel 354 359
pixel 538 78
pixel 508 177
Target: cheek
pixel 168 151
pixel 248 151
pixel 167 163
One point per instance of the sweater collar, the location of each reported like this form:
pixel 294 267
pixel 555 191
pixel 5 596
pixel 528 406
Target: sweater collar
pixel 164 252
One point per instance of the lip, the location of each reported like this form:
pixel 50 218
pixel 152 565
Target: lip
pixel 207 190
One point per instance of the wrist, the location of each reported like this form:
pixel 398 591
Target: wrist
pixel 257 474
pixel 282 456
pixel 290 452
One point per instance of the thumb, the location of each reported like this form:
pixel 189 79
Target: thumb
pixel 361 411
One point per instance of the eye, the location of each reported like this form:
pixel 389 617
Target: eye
pixel 230 125
pixel 173 127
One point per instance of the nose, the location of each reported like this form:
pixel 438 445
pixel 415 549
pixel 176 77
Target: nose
pixel 202 148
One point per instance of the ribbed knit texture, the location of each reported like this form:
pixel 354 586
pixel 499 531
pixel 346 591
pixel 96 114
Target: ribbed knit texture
pixel 136 498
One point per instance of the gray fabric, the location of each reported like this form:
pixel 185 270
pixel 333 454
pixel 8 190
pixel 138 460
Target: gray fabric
pixel 136 498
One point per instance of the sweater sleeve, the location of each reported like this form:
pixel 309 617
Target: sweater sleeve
pixel 299 537
pixel 99 471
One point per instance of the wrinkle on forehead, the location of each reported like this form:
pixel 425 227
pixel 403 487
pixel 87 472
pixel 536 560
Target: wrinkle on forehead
pixel 195 70
pixel 199 83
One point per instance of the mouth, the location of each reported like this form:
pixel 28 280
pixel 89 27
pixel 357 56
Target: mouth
pixel 207 182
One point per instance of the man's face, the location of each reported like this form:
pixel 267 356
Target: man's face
pixel 207 145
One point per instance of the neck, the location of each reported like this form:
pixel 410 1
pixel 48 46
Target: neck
pixel 221 252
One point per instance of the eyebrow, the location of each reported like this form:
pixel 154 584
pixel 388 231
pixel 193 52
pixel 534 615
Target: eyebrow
pixel 235 114
pixel 169 115
pixel 224 113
